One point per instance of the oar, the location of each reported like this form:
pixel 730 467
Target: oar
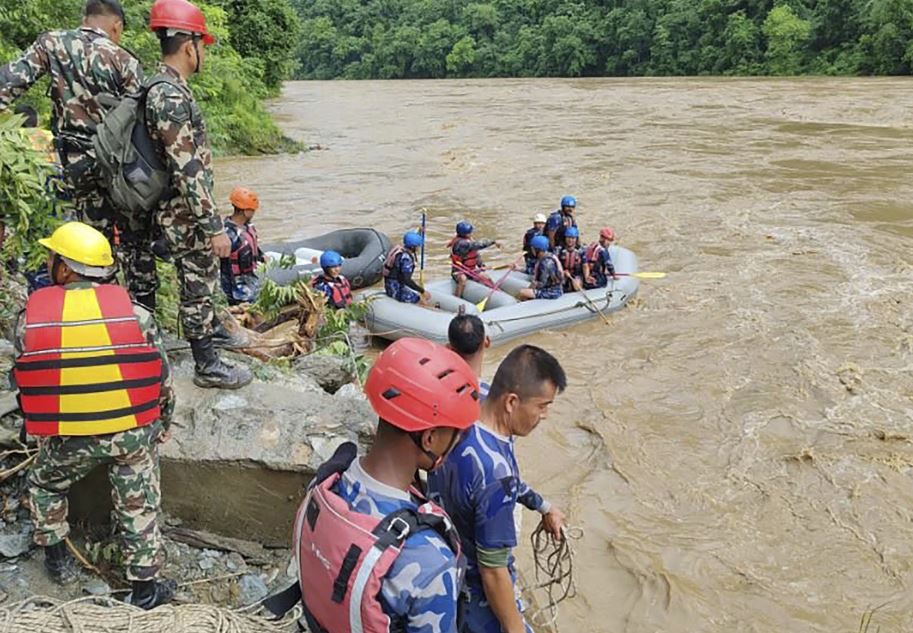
pixel 643 275
pixel 481 304
pixel 421 270
pixel 589 301
pixel 473 274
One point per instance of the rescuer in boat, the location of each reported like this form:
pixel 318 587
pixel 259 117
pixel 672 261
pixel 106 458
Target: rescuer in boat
pixel 548 277
pixel 560 221
pixel 480 485
pixel 334 286
pixel 373 553
pixel 240 282
pixel 571 257
pixel 466 336
pixel 95 388
pixel 465 259
pixel 399 267
pixel 538 228
pixel 597 263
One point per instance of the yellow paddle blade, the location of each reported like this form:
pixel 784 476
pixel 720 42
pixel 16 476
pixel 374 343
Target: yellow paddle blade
pixel 649 275
pixel 481 304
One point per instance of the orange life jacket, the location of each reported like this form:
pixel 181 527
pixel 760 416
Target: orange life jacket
pixel 468 260
pixel 340 290
pixel 86 367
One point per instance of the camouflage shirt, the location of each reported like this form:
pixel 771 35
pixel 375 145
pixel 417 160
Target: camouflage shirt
pixel 83 64
pixel 146 325
pixel 175 123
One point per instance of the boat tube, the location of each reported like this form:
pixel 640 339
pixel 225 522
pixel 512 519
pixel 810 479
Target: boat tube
pixel 363 250
pixel 504 316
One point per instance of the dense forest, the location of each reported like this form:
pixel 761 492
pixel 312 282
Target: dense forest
pixel 385 39
pixel 257 50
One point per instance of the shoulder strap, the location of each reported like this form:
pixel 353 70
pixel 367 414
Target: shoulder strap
pixel 338 463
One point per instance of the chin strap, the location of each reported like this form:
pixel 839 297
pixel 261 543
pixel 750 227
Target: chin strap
pixel 437 460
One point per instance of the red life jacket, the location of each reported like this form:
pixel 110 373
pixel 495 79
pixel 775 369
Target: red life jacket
pixel 86 367
pixel 343 555
pixel 340 287
pixel 571 259
pixel 470 260
pixel 391 271
pixel 593 258
pixel 557 278
pixel 244 258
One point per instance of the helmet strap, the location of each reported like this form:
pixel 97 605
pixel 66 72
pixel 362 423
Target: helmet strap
pixel 196 48
pixel 436 460
pixel 56 262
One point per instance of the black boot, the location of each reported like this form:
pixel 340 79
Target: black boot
pixel 148 594
pixel 212 371
pixel 226 340
pixel 147 301
pixel 60 564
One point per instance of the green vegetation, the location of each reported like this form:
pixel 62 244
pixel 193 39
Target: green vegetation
pixel 385 39
pixel 256 51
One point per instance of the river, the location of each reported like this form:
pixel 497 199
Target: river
pixel 738 443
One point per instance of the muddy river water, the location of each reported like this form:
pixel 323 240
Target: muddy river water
pixel 738 444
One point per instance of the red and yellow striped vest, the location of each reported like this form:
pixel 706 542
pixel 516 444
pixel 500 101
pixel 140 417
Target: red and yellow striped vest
pixel 86 367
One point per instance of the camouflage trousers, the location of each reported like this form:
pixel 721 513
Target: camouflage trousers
pixel 133 470
pixel 197 269
pixel 133 249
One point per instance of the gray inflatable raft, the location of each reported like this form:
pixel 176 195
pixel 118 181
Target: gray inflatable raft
pixel 504 316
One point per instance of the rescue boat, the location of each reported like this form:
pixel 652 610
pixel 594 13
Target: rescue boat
pixel 505 317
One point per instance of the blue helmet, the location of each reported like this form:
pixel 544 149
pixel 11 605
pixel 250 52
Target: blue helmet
pixel 413 239
pixel 463 228
pixel 568 201
pixel 329 259
pixel 540 243
pixel 571 231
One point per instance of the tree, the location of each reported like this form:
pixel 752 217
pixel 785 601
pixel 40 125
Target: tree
pixel 786 33
pixel 462 56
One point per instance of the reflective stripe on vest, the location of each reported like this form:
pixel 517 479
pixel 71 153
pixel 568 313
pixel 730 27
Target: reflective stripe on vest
pixel 470 260
pixel 340 288
pixel 86 367
pixel 244 258
pixel 557 277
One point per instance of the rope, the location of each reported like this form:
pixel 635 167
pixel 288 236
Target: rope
pixel 103 614
pixel 554 562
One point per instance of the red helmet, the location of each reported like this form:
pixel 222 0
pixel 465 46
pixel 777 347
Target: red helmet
pixel 417 385
pixel 607 233
pixel 179 15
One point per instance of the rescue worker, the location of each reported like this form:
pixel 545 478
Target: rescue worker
pixel 89 73
pixel 537 229
pixel 571 257
pixel 238 271
pixel 364 520
pixel 95 387
pixel 560 221
pixel 466 336
pixel 331 282
pixel 399 267
pixel 190 223
pixel 480 485
pixel 548 277
pixel 465 260
pixel 597 263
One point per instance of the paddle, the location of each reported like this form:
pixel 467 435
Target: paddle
pixel 481 304
pixel 643 275
pixel 590 303
pixel 421 270
pixel 471 273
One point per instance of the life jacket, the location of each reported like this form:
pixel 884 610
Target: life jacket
pixel 596 262
pixel 86 367
pixel 565 221
pixel 556 278
pixel 244 258
pixel 571 259
pixel 470 260
pixel 340 288
pixel 391 270
pixel 527 238
pixel 343 555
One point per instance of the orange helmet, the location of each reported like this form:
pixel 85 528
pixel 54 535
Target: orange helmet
pixel 244 199
pixel 179 15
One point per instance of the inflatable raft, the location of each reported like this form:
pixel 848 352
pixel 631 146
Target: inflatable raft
pixel 504 316
pixel 364 251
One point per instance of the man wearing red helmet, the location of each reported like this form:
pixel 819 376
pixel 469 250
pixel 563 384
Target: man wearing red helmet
pixel 373 554
pixel 189 219
pixel 597 263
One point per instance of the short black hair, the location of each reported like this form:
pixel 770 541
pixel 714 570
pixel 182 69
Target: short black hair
pixel 30 114
pixel 524 371
pixel 171 44
pixel 466 334
pixel 110 8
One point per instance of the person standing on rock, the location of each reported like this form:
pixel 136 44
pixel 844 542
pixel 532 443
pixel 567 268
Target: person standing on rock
pixel 239 278
pixel 466 336
pixel 89 74
pixel 95 388
pixel 373 554
pixel 191 225
pixel 479 484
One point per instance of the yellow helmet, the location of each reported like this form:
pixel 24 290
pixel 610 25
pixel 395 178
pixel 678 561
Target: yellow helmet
pixel 80 244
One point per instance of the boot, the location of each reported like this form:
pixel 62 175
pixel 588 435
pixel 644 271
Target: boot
pixel 147 301
pixel 212 371
pixel 148 594
pixel 60 564
pixel 225 339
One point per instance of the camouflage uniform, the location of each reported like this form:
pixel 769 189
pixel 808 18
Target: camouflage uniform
pixel 133 470
pixel 86 69
pixel 188 219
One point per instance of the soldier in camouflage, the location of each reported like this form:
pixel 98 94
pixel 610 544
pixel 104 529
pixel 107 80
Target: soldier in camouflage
pixel 89 74
pixel 189 219
pixel 65 457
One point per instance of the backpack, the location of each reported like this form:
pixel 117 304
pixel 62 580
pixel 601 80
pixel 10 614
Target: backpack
pixel 128 165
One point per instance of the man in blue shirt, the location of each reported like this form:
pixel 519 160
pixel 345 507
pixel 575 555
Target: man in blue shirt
pixel 466 336
pixel 560 220
pixel 479 485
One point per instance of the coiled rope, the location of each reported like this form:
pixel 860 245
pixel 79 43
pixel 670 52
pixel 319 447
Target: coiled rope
pixel 554 563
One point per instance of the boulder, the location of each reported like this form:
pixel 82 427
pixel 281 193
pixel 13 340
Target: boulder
pixel 330 372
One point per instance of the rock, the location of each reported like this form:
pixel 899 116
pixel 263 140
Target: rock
pixel 351 391
pixel 16 544
pixel 330 372
pixel 96 587
pixel 252 588
pixel 206 563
